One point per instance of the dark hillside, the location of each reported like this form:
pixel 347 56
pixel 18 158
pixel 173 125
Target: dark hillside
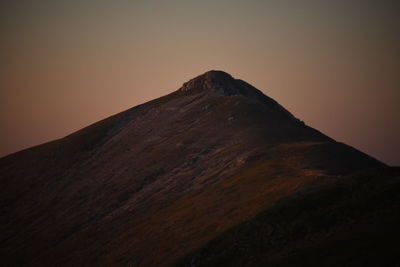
pixel 148 185
pixel 340 221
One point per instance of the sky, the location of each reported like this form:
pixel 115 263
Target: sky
pixel 333 64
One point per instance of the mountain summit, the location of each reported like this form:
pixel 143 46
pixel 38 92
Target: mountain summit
pixel 152 184
pixel 220 83
pixel 215 82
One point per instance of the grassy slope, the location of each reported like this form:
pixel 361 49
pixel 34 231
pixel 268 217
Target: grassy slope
pixel 343 221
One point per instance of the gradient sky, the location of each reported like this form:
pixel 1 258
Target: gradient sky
pixel 333 64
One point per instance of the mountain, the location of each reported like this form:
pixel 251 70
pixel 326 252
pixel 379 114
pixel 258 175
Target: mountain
pixel 163 182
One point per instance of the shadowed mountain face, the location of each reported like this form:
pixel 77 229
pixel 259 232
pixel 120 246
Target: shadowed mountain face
pixel 147 186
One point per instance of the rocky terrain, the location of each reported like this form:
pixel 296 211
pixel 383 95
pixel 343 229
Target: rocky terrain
pixel 211 170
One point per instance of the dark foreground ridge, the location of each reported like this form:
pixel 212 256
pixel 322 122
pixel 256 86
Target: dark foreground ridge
pixel 191 178
pixel 349 221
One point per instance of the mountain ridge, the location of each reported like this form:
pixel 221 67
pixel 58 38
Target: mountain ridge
pixel 141 187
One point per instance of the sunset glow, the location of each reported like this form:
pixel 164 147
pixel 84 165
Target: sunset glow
pixel 67 64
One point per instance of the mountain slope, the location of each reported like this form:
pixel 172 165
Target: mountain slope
pixel 155 182
pixel 340 221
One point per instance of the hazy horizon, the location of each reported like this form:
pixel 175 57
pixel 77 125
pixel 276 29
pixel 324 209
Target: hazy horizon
pixel 69 64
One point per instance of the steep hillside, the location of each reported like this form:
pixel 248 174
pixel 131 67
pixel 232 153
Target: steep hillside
pixel 153 183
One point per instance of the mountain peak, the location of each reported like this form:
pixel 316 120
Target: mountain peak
pixel 171 160
pixel 220 83
pixel 216 75
pixel 215 82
